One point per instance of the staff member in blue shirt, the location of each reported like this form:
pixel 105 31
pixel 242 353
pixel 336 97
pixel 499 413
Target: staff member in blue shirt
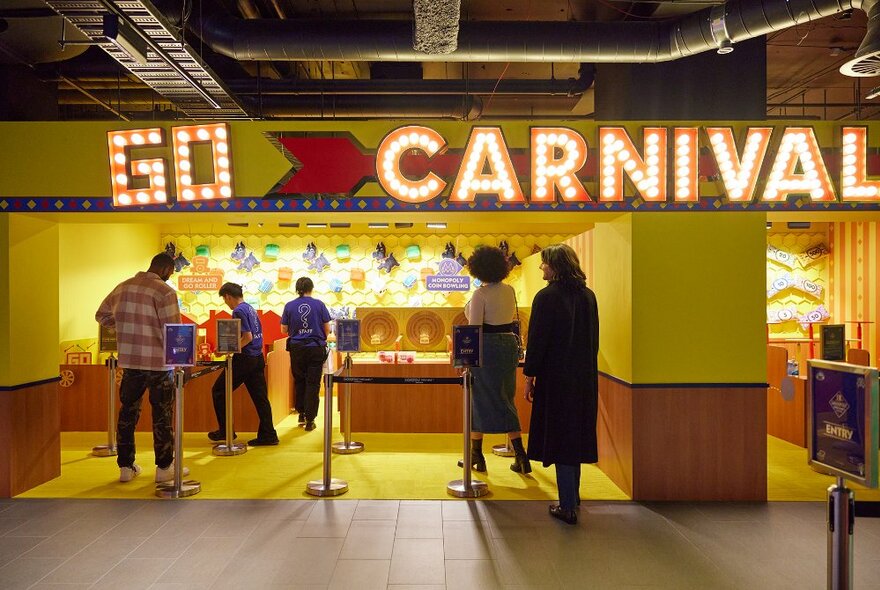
pixel 306 321
pixel 248 367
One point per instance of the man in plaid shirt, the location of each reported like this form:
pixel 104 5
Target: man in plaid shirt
pixel 139 308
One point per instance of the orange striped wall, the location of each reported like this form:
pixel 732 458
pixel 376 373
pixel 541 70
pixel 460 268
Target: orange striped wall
pixel 853 279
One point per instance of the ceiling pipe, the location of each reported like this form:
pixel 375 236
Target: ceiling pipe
pixel 367 107
pixel 512 41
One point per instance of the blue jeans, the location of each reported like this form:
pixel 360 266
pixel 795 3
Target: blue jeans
pixel 568 481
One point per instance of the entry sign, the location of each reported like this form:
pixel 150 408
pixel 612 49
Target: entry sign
pixel 348 335
pixel 228 335
pixel 180 345
pixel 107 339
pixel 842 421
pixel 833 342
pixel 467 346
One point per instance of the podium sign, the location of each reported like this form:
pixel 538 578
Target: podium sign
pixel 833 340
pixel 107 339
pixel 180 345
pixel 842 421
pixel 348 335
pixel 467 346
pixel 228 336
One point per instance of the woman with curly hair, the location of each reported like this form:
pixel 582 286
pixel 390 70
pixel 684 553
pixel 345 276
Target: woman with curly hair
pixel 493 306
pixel 562 375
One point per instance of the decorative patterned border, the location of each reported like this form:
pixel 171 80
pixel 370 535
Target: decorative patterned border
pixel 389 205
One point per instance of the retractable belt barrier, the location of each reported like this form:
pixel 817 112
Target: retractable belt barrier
pixel 229 448
pixel 179 488
pixel 467 487
pixel 109 450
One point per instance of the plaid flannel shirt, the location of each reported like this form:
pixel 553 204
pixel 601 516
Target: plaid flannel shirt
pixel 139 308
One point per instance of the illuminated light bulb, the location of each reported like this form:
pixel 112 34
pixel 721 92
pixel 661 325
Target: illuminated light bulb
pixel 756 137
pixel 653 161
pixel 653 170
pixel 608 170
pixel 848 181
pixel 143 168
pixel 413 193
pixel 124 199
pixel 222 147
pixel 623 155
pixel 653 150
pixel 571 145
pixel 800 137
pixel 404 140
pixel 683 139
pixel 413 138
pixel 159 180
pixel 502 174
pixel 183 151
pixel 188 194
pixel 485 184
pixel 403 190
pixel 817 193
pixel 806 157
pixel 771 193
pixel 541 161
pixel 500 166
pixel 541 181
pixel 462 193
pixel 716 138
pixel 808 165
pixel 122 179
pixel 223 162
pixel 849 160
pixel 629 165
pixel 653 138
pixel 468 175
pixel 207 193
pixel 785 185
pixel 423 191
pixel 541 171
pixel 653 192
pixel 183 136
pixel 723 157
pixel 850 138
pixel 395 146
pixel 642 186
pixel 618 145
pixel 185 179
pixel 386 165
pixel 849 170
pixel 608 160
pixel 683 150
pixel 872 190
pixel 119 158
pixel 812 175
pixel 849 149
pixel 481 137
pixel 541 192
pixel 541 150
pixel 570 192
pixel 683 193
pixel 424 140
pixel 747 165
pixel 395 184
pixel 475 157
pixel 542 138
pixel 225 191
pixel 736 193
pixel 185 165
pixel 119 140
pixel 433 184
pixel 681 182
pixel 471 167
pixel 220 132
pixel 609 138
pixel 203 134
pixel 608 192
pixel 551 139
pixel 154 137
pixel 158 167
pixel 684 171
pixel 608 150
pixel 160 196
pixel 562 139
pixel 224 176
pixel 496 184
pixel 862 191
pixel 551 170
pixel 390 156
pixel 508 193
pixel 433 146
pixel 652 181
pixel 475 185
pixel 565 181
pixel 142 197
pixel 137 139
pixel 608 181
pixel 849 192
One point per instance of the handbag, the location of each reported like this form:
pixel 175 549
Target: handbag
pixel 517 331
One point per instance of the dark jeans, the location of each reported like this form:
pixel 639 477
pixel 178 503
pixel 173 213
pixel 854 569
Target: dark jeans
pixel 568 480
pixel 161 386
pixel 307 365
pixel 249 370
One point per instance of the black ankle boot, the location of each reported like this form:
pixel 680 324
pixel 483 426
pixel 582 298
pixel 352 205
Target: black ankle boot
pixel 478 461
pixel 521 460
pixel 566 516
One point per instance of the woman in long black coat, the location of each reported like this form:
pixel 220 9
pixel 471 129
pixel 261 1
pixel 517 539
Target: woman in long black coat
pixel 562 376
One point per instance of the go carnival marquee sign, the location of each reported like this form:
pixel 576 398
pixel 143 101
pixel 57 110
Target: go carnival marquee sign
pixel 415 165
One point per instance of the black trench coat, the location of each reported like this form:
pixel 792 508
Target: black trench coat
pixel 563 347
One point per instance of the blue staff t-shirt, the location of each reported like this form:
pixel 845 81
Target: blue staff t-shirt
pixel 305 318
pixel 250 322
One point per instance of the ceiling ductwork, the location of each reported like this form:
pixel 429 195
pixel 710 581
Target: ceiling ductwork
pixel 867 59
pixel 509 41
pixel 367 107
pixel 435 31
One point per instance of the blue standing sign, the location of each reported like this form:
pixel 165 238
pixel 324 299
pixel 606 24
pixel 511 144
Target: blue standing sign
pixel 348 335
pixel 843 429
pixel 467 346
pixel 180 345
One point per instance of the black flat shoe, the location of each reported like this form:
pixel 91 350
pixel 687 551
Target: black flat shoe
pixel 218 435
pixel 263 442
pixel 566 516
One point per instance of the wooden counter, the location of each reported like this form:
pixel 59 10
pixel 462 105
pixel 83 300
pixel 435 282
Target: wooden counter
pixel 414 408
pixel 84 402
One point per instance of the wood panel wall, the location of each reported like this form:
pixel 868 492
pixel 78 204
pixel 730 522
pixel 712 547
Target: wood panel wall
pixel 30 440
pixel 614 432
pixel 786 415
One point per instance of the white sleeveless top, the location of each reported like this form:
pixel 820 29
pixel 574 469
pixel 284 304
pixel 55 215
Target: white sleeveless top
pixel 492 303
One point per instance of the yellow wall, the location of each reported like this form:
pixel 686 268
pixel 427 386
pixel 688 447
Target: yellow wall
pixel 93 259
pixel 612 281
pixel 699 298
pixel 29 299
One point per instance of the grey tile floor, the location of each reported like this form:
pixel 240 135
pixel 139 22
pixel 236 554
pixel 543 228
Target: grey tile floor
pixel 172 545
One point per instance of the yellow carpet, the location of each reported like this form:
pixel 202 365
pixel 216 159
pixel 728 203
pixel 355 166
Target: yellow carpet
pixel 394 466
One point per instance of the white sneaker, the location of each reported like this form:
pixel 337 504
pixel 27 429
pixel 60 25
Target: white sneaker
pixel 129 473
pixel 167 474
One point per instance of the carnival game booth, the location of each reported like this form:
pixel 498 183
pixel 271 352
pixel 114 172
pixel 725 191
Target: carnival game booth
pixel 669 220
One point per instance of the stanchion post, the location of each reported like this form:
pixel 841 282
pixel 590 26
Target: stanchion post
pixel 229 448
pixel 109 450
pixel 841 525
pixel 327 486
pixel 467 487
pixel 504 450
pixel 178 488
pixel 347 446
